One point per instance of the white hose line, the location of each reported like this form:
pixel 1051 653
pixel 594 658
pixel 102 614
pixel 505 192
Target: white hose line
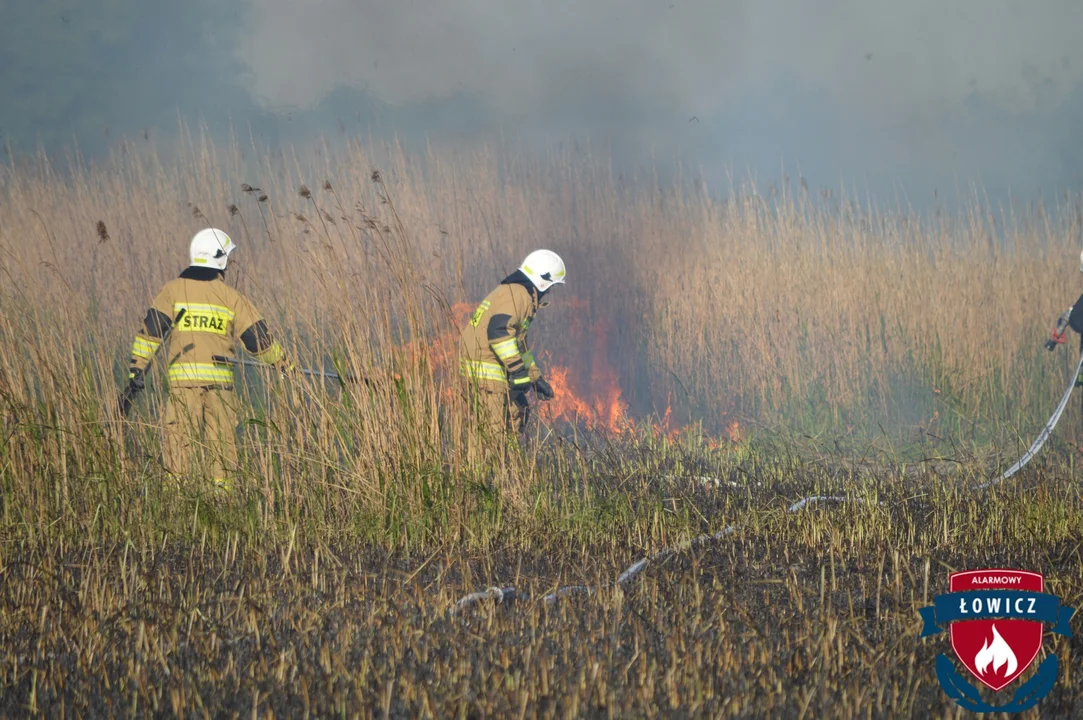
pixel 1043 435
pixel 640 565
pixel 497 594
pixel 637 567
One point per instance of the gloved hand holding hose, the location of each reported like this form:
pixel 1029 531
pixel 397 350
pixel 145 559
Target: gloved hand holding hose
pixel 544 389
pixel 1058 337
pixel 136 384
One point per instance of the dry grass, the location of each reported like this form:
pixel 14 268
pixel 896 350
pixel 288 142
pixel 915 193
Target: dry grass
pixel 840 337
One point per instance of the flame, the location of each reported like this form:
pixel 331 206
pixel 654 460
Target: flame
pixel 587 393
pixel 664 427
pixel 606 408
pixel 440 355
pixel 999 653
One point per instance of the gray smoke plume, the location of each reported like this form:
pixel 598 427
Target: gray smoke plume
pixel 871 93
pixel 925 93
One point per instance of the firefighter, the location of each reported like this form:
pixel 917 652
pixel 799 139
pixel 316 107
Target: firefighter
pixel 494 355
pixel 200 417
pixel 1071 318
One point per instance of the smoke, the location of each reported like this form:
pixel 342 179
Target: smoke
pixel 875 94
pixel 521 59
pixel 867 91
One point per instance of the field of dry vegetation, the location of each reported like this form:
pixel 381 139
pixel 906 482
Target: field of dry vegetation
pixel 717 360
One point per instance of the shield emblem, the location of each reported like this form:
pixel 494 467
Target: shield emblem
pixel 996 651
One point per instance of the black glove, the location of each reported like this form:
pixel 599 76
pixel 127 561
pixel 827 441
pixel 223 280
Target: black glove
pixel 544 389
pixel 136 383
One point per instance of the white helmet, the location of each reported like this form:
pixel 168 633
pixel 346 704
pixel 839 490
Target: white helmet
pixel 210 248
pixel 544 268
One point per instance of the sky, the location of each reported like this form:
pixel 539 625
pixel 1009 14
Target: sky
pixel 888 97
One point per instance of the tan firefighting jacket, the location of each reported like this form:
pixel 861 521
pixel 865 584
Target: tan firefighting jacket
pixel 215 317
pixel 493 349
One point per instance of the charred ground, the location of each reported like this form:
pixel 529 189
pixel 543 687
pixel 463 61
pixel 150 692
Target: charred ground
pixel 804 614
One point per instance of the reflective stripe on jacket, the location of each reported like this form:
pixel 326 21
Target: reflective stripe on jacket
pixel 493 348
pixel 215 317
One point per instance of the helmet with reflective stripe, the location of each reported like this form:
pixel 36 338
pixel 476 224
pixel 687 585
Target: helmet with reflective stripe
pixel 544 268
pixel 210 248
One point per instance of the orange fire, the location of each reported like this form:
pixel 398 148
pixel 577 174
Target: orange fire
pixel 665 427
pixel 603 406
pixel 591 398
pixel 605 410
pixel 443 352
pixel 439 355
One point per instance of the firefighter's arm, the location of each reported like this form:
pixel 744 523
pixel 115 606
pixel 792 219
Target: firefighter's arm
pixel 1070 318
pixel 156 325
pixel 541 385
pixel 528 360
pixel 257 340
pixel 1075 317
pixel 503 336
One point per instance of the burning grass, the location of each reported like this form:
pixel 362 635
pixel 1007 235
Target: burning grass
pixel 714 362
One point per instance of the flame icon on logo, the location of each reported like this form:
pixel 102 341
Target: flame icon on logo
pixel 998 652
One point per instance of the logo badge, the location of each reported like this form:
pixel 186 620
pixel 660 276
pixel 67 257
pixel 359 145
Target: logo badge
pixel 995 618
pixel 996 652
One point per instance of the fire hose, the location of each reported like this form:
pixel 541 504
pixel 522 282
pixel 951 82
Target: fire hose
pixel 502 595
pixel 1043 435
pixel 1051 344
pixel 325 374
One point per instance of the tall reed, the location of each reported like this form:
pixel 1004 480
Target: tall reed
pixel 818 315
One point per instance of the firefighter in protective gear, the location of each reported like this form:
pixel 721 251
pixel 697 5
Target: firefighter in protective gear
pixel 494 354
pixel 1070 318
pixel 200 416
